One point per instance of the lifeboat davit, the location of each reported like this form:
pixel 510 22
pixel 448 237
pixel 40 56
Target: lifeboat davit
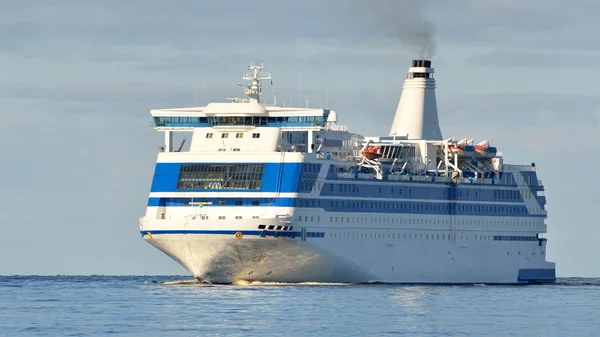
pixel 372 152
pixel 483 150
pixel 462 150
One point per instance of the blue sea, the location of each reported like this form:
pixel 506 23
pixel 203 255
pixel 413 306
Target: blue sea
pixel 178 306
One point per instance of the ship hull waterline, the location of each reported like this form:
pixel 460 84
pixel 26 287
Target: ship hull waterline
pixel 224 259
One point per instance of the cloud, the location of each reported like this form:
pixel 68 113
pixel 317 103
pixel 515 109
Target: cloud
pixel 537 24
pixel 87 177
pixel 520 58
pixel 115 31
pixel 281 59
pixel 147 93
pixel 513 109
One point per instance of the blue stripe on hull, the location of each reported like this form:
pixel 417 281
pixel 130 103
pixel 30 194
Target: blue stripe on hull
pixel 184 202
pixel 275 178
pixel 432 190
pixel 537 275
pixel 294 177
pixel 413 207
pixel 233 232
pixel 515 238
pixel 356 206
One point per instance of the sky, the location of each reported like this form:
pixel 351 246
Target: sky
pixel 78 79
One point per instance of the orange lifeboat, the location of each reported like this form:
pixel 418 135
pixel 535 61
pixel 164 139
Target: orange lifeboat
pixel 372 152
pixel 462 149
pixel 483 150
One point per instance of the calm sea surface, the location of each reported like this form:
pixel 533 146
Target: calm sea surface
pixel 176 306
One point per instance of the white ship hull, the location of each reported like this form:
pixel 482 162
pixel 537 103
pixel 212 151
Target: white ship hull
pixel 223 258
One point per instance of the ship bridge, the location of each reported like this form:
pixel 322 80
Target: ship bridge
pixel 239 114
pixel 227 126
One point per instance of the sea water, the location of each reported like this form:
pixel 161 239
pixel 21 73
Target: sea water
pixel 178 306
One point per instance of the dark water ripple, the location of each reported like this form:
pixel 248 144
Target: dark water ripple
pixel 176 306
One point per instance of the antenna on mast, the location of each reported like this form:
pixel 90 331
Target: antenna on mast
pixel 254 75
pixel 274 97
pixel 299 86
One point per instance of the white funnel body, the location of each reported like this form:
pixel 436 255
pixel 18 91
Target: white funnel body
pixel 416 116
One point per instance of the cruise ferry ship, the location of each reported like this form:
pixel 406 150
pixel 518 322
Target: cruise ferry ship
pixel 282 194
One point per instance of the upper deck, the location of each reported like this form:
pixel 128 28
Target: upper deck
pixel 240 114
pixel 246 129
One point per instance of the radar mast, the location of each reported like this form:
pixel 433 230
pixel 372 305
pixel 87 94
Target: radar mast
pixel 254 75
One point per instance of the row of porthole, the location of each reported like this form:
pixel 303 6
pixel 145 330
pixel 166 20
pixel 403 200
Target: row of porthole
pixel 237 135
pixel 402 205
pixel 405 236
pixel 277 228
pixel 503 194
pixel 222 217
pixel 421 221
pixel 532 253
pixel 410 236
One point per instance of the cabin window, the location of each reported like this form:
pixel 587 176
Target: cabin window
pixel 255 203
pixel 209 135
pixel 261 226
pixel 225 135
pixel 256 135
pixel 239 135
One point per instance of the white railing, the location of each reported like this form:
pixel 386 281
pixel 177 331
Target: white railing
pixel 510 167
pixel 336 127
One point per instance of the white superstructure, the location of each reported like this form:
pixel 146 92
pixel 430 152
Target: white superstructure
pixel 272 193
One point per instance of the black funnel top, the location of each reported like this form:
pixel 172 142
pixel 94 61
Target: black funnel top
pixel 421 63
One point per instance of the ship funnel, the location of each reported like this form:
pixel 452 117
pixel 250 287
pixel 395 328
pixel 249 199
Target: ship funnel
pixel 416 116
